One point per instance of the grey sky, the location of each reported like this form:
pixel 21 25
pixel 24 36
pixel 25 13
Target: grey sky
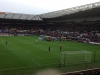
pixel 39 6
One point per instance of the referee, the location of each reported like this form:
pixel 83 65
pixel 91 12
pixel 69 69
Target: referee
pixel 6 42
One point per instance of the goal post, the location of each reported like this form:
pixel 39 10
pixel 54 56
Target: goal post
pixel 74 57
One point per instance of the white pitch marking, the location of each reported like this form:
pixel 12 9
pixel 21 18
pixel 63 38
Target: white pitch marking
pixel 17 68
pixel 27 67
pixel 36 62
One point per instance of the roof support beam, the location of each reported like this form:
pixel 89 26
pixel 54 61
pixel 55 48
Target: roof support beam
pixel 11 18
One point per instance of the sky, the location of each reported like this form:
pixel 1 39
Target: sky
pixel 39 6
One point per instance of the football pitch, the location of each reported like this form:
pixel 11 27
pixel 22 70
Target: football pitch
pixel 21 55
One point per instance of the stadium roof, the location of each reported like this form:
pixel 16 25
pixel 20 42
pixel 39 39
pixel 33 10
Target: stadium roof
pixel 71 10
pixel 7 15
pixel 95 7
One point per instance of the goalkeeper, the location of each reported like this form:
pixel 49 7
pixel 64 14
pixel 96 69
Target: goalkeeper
pixel 60 47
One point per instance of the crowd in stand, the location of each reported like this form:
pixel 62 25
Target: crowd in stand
pixel 91 32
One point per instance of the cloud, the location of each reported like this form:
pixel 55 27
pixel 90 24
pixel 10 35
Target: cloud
pixel 39 6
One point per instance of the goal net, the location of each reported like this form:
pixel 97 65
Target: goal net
pixel 74 57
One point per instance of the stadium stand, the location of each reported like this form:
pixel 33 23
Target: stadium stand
pixel 95 71
pixel 72 31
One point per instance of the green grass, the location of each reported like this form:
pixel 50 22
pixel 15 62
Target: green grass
pixel 23 56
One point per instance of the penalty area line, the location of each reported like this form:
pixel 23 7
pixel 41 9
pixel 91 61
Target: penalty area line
pixel 25 67
pixel 18 68
pixel 36 62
